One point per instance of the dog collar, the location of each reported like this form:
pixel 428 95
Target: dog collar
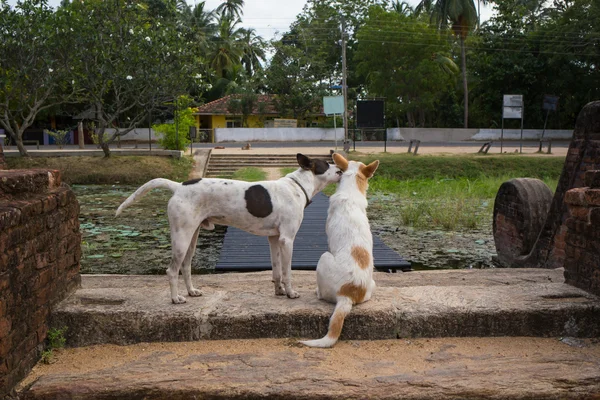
pixel 308 200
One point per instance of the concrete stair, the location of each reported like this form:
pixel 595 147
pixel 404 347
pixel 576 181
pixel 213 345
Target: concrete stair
pixel 468 334
pixel 224 165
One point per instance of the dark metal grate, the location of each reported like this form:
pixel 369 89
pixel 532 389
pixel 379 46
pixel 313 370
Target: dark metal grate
pixel 243 251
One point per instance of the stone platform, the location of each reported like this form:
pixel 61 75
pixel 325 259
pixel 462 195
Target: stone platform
pixel 111 309
pixel 443 368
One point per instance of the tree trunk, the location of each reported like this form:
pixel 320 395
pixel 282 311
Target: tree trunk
pixel 463 57
pixel 105 149
pixel 19 142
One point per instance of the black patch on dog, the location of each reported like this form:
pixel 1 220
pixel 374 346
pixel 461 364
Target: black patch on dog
pixel 258 201
pixel 319 167
pixel 192 181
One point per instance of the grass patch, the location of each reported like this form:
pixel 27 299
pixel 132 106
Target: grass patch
pixel 449 192
pixel 287 170
pixel 250 174
pixel 405 166
pixel 56 340
pixel 115 169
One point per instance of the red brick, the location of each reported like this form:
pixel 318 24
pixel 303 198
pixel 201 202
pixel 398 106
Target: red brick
pixel 580 213
pixel 9 217
pixel 576 197
pixel 592 197
pixel 50 203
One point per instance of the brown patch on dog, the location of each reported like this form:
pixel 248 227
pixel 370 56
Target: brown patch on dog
pixel 353 292
pixel 362 183
pixel 335 325
pixel 340 161
pixel 361 256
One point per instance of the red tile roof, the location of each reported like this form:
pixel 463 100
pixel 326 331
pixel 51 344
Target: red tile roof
pixel 220 106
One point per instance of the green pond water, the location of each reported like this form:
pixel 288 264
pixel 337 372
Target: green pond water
pixel 138 241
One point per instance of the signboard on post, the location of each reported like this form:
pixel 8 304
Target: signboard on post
pixel 512 106
pixel 370 113
pixel 550 103
pixel 333 105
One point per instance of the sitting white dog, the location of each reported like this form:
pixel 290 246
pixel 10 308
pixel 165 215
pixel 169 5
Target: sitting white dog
pixel 345 272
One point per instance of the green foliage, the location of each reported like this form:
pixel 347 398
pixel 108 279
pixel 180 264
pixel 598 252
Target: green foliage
pixel 174 136
pixel 417 72
pixel 61 137
pixel 34 72
pixel 56 340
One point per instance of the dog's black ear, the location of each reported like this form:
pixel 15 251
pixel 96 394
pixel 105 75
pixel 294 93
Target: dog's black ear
pixel 303 161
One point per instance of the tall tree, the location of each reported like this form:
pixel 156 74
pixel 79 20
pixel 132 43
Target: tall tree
pixel 403 59
pixel 462 17
pixel 226 46
pixel 253 51
pixel 232 9
pixel 35 65
pixel 129 60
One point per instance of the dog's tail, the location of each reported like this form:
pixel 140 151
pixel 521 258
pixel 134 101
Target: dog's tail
pixel 336 322
pixel 153 184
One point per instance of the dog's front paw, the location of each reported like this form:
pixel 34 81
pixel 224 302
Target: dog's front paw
pixel 279 290
pixel 178 300
pixel 292 294
pixel 195 293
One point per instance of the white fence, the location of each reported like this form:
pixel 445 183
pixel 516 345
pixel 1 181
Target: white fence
pixel 393 134
pixel 277 134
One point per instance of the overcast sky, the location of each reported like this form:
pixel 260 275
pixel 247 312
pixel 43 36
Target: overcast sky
pixel 270 16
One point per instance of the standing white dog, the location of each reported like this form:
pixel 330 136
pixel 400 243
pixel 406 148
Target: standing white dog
pixel 345 272
pixel 268 208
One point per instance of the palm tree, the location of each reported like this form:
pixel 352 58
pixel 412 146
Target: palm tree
pixel 227 48
pixel 402 7
pixel 231 8
pixel 202 25
pixel 462 16
pixel 253 51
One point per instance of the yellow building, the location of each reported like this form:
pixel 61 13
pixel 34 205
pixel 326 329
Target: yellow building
pixel 217 114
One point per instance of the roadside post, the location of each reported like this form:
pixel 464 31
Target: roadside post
pixel 512 108
pixel 333 105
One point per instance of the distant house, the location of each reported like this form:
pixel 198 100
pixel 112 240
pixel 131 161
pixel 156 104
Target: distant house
pixel 223 113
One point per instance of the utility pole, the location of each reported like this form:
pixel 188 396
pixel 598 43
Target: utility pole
pixel 344 83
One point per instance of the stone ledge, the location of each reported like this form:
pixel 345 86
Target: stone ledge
pixel 449 368
pixel 498 302
pixel 96 153
pixel 23 181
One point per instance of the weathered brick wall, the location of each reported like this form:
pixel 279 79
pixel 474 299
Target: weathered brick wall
pixel 39 263
pixel 516 212
pixel 582 261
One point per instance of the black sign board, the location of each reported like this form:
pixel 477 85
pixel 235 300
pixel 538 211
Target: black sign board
pixel 550 103
pixel 370 114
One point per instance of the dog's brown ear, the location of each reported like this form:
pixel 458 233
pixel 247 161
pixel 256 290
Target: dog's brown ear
pixel 340 161
pixel 303 161
pixel 370 169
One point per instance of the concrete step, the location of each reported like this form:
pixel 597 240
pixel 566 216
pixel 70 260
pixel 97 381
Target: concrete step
pixel 447 368
pixel 224 165
pixel 121 310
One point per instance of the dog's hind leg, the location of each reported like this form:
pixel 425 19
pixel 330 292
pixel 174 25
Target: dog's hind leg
pixel 286 246
pixel 182 233
pixel 187 266
pixel 276 264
